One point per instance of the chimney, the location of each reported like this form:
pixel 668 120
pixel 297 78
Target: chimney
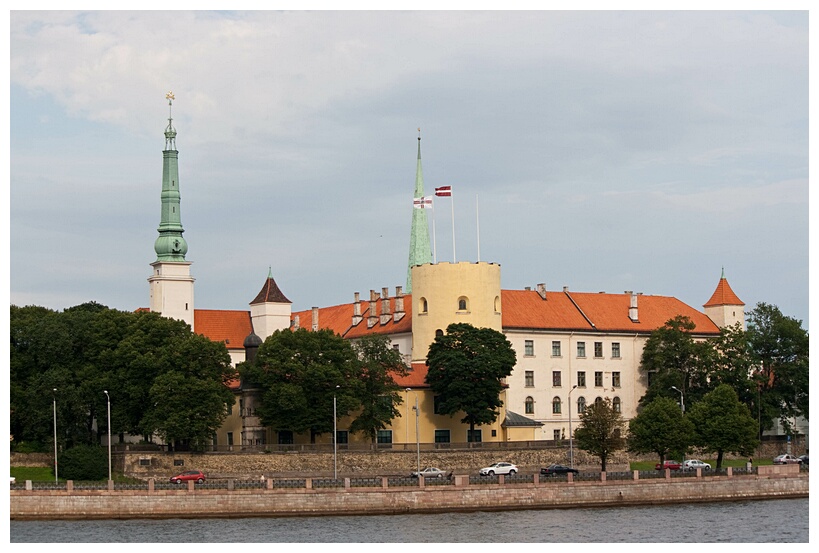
pixel 315 319
pixel 541 289
pixel 372 318
pixel 385 306
pixel 357 318
pixel 565 289
pixel 296 322
pixel 632 308
pixel 399 304
pixel 527 288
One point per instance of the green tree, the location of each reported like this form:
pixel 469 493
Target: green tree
pixel 601 431
pixel 722 424
pixel 379 365
pixel 671 357
pixel 660 428
pixel 780 351
pixel 300 374
pixel 83 462
pixel 466 368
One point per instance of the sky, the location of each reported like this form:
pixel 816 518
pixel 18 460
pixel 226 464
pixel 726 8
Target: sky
pixel 596 150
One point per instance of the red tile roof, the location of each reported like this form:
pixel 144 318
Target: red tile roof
pixel 723 295
pixel 339 319
pixel 229 326
pixel 416 377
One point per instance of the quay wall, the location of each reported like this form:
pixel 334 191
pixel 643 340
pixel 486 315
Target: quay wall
pixel 193 502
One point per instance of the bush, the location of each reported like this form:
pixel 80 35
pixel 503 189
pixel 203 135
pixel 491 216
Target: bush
pixel 83 462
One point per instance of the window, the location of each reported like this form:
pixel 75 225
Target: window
pixel 581 404
pixel 342 437
pixel 556 405
pixel 529 348
pixel 581 349
pixel 473 436
pixel 598 400
pixel 615 403
pixel 530 379
pixel 581 379
pixel 615 350
pixel 436 405
pixel 556 435
pixel 442 436
pixel 439 332
pixel 529 406
pixel 230 438
pixel 424 306
pixel 556 348
pixel 384 437
pixel 598 378
pixel 615 379
pixel 598 349
pixel 556 379
pixel 285 437
pixel 462 304
pixel 395 347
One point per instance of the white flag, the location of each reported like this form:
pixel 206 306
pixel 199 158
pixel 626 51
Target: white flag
pixel 422 203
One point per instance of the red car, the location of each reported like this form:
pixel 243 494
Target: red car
pixel 669 464
pixel 196 475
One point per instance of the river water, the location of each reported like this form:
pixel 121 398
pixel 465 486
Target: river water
pixel 771 521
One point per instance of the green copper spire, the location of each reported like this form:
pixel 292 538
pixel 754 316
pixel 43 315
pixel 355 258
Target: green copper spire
pixel 170 246
pixel 420 251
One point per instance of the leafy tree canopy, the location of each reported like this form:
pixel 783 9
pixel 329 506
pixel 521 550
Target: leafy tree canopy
pixel 660 428
pixel 601 431
pixel 723 424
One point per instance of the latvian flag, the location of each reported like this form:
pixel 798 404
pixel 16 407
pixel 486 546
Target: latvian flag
pixel 443 191
pixel 422 203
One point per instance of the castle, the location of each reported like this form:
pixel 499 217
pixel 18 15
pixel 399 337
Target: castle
pixel 573 348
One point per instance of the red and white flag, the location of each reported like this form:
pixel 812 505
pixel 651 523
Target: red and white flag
pixel 422 203
pixel 443 191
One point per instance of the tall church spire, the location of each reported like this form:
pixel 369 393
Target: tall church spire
pixel 170 245
pixel 420 251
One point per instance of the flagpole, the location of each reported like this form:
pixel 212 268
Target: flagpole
pixel 452 204
pixel 478 225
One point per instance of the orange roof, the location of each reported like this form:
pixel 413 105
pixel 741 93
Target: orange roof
pixel 339 319
pixel 229 326
pixel 723 295
pixel 416 377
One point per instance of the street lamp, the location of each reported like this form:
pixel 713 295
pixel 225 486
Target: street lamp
pixel 571 437
pixel 54 395
pixel 682 410
pixel 108 398
pixel 417 438
pixel 335 438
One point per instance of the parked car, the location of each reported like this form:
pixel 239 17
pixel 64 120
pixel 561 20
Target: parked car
pixel 551 470
pixel 196 475
pixel 499 468
pixel 432 472
pixel 668 464
pixel 694 464
pixel 786 460
pixel 804 459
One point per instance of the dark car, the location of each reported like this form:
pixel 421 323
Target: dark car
pixel 552 470
pixel 804 459
pixel 668 464
pixel 196 475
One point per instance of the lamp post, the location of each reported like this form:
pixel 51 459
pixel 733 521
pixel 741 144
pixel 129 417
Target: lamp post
pixel 335 438
pixel 54 396
pixel 406 424
pixel 682 410
pixel 417 438
pixel 571 436
pixel 108 398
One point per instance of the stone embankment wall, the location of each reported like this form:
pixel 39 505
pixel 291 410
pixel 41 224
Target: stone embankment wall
pixel 778 483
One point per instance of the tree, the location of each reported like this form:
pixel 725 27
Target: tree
pixel 660 428
pixel 723 424
pixel 600 431
pixel 672 357
pixel 780 352
pixel 300 374
pixel 379 364
pixel 466 367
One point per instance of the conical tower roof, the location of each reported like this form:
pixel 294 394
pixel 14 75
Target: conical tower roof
pixel 270 292
pixel 723 295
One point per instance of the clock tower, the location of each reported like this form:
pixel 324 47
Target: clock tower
pixel 171 282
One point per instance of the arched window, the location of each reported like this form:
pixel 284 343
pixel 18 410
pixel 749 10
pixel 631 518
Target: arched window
pixel 529 406
pixel 556 405
pixel 424 307
pixel 497 304
pixel 598 400
pixel 615 403
pixel 463 304
pixel 581 405
pixel 439 332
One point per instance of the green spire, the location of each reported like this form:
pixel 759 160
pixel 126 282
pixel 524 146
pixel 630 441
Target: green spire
pixel 420 251
pixel 170 245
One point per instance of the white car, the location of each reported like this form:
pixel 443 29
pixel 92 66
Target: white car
pixel 694 464
pixel 432 472
pixel 499 468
